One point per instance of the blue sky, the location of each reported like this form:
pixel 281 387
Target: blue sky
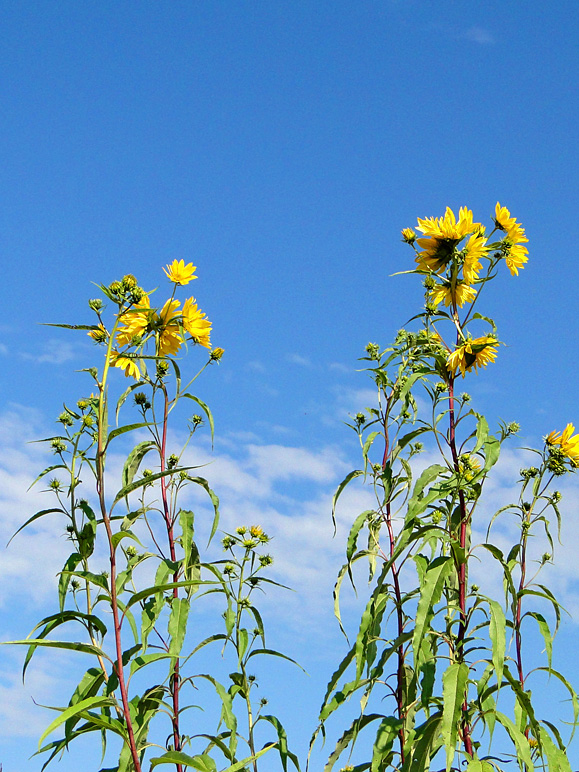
pixel 281 147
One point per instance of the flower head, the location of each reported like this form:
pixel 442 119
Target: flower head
pixel 569 445
pixel 474 251
pixel 196 323
pixel 477 352
pixel 136 321
pixel 503 219
pixel 126 364
pixel 170 337
pixel 179 273
pixel 517 254
pixel 408 235
pixel 448 227
pixel 460 294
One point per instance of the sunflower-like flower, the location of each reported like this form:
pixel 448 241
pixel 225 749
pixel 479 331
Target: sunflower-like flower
pixel 517 254
pixel 99 334
pixel 503 219
pixel 460 294
pixel 170 337
pixel 196 323
pixel 179 273
pixel 568 443
pixel 474 251
pixel 448 227
pixel 474 352
pixel 408 235
pixel 468 466
pixel 442 234
pixel 126 364
pixel 136 321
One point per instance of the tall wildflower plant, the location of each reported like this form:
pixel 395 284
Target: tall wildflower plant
pixel 439 666
pixel 134 618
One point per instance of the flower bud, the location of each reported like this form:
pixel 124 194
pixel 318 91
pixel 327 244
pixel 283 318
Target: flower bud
pixel 216 354
pixel 96 305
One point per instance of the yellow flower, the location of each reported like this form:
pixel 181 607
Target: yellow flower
pixel 256 530
pixel 568 444
pixel 447 227
pixel 136 321
pixel 474 251
pixel 462 294
pixel 408 235
pixel 503 219
pixel 170 337
pixel 179 273
pixel 468 466
pixel 217 353
pixel 196 323
pixel 518 254
pixel 99 334
pixel 477 352
pixel 127 364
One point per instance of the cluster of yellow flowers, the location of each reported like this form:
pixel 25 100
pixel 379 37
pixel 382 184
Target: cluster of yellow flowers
pixel 169 326
pixel 438 255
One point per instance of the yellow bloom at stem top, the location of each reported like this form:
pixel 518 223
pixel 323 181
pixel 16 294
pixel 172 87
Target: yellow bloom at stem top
pixel 442 234
pixel 448 227
pixel 179 273
pixel 568 444
pixel 477 352
pixel 518 254
pixel 461 294
pixel 196 323
pixel 170 338
pixel 503 219
pixel 474 250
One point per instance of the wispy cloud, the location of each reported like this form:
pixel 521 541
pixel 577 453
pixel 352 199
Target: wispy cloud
pixel 479 35
pixel 298 359
pixel 54 352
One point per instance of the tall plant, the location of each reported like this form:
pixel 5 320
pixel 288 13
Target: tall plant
pixel 134 617
pixel 437 663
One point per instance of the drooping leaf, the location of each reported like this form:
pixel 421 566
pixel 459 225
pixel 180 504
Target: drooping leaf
pixel 454 681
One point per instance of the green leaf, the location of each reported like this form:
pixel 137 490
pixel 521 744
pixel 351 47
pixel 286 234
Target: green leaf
pixel 36 517
pixel 474 765
pixel 124 429
pixel 73 710
pixel 178 624
pixel 214 500
pixel 348 479
pixel 64 578
pixel 284 752
pixel 205 409
pixel 519 740
pixel 545 632
pixel 146 480
pixel 87 648
pixel 46 471
pixel 497 632
pixel 274 653
pixel 385 736
pixel 161 588
pixel 133 461
pixel 241 765
pixel 349 736
pixel 557 757
pixel 354 532
pixel 418 501
pixel 454 682
pixel 202 763
pixel 430 594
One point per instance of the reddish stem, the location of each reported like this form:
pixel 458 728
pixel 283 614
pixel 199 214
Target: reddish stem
pixel 463 624
pixel 118 666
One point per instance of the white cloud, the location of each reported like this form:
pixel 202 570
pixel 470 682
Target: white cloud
pixel 54 352
pixel 298 359
pixel 479 35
